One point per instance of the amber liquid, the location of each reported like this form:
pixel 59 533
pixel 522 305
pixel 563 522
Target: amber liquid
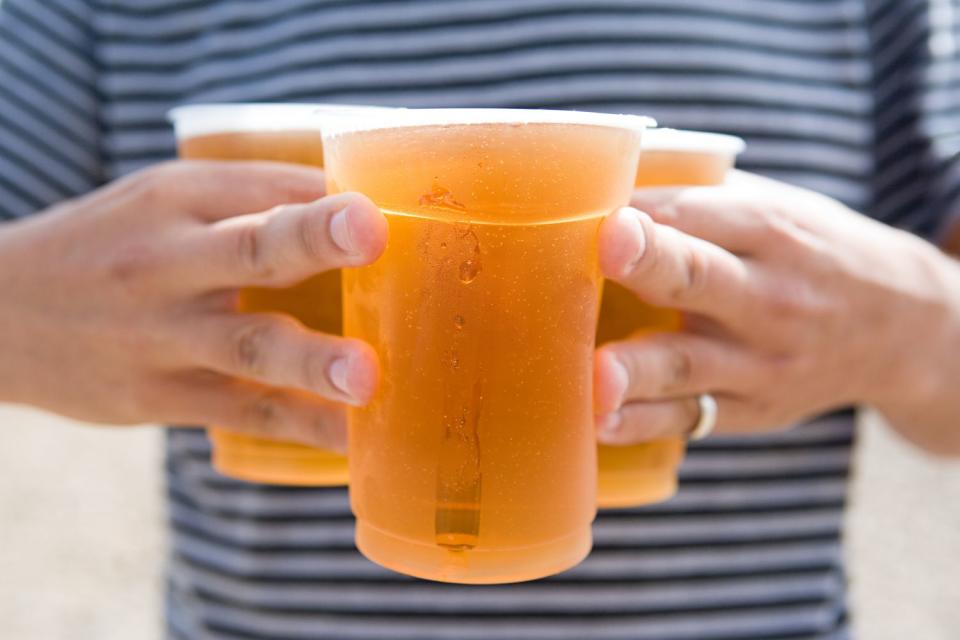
pixel 647 473
pixel 475 461
pixel 315 302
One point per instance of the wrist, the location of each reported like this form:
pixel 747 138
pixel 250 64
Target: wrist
pixel 926 336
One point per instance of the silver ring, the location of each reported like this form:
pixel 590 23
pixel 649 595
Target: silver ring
pixel 707 420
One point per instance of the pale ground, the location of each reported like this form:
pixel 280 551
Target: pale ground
pixel 81 535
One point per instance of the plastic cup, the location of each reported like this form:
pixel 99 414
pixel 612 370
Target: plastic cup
pixel 475 462
pixel 647 473
pixel 283 133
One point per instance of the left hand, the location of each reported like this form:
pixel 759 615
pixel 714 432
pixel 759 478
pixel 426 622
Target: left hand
pixel 794 305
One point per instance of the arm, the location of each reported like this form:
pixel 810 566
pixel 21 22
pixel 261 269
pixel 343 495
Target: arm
pixel 918 188
pixel 928 412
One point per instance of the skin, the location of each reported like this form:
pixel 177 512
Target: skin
pixel 119 307
pixel 794 305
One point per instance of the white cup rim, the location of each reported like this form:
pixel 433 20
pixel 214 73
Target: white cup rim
pixel 347 122
pixel 211 118
pixel 687 141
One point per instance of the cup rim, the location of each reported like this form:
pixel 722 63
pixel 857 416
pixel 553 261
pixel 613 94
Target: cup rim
pixel 191 120
pixel 342 123
pixel 690 141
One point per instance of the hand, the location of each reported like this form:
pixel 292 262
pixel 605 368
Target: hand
pixel 794 305
pixel 119 307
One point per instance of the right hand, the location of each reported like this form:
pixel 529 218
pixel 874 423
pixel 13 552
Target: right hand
pixel 120 307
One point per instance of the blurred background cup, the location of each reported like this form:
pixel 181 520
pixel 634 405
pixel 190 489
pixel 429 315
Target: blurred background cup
pixel 647 473
pixel 282 133
pixel 475 462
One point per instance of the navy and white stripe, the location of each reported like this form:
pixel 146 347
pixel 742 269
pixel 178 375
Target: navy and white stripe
pixel 854 98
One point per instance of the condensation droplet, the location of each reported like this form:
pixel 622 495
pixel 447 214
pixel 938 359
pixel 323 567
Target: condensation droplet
pixel 469 270
pixel 440 196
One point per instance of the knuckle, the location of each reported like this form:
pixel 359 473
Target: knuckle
pixel 678 368
pixel 779 368
pixel 789 299
pixel 250 251
pixel 694 274
pixel 666 212
pixel 686 203
pixel 780 231
pixel 311 236
pixel 153 185
pixel 249 346
pixel 774 224
pixel 781 305
pixel 264 412
pixel 323 430
pixel 131 263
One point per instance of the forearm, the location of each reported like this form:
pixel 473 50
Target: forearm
pixel 8 362
pixel 30 320
pixel 925 409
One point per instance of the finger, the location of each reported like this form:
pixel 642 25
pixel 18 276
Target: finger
pixel 276 350
pixel 214 190
pixel 705 326
pixel 667 268
pixel 721 215
pixel 638 422
pixel 255 410
pixel 287 244
pixel 746 215
pixel 669 365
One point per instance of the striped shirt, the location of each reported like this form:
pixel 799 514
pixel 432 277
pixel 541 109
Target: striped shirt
pixel 857 99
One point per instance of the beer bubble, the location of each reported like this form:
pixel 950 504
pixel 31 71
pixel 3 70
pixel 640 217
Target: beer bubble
pixel 459 321
pixel 469 270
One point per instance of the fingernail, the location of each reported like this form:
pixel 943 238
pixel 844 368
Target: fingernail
pixel 339 373
pixel 617 380
pixel 608 425
pixel 340 232
pixel 631 218
pixel 621 378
